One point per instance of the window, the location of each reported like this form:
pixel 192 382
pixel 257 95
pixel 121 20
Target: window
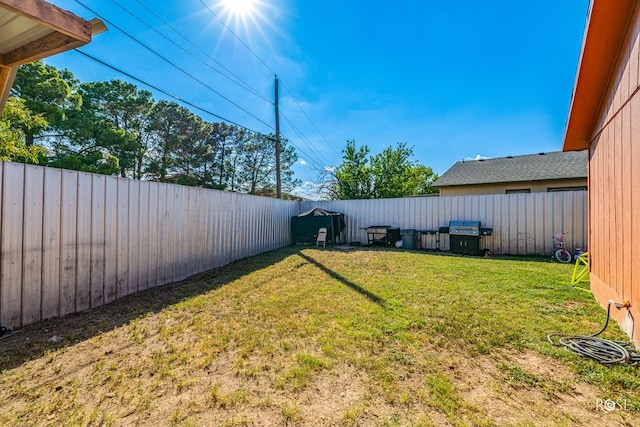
pixel 519 190
pixel 578 188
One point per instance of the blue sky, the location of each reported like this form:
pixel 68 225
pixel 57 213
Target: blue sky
pixel 454 80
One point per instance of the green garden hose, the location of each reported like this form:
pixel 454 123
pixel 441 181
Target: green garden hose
pixel 602 351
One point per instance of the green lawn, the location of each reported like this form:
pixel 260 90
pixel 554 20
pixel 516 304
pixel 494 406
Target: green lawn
pixel 326 337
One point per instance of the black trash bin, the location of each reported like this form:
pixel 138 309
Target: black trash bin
pixel 410 239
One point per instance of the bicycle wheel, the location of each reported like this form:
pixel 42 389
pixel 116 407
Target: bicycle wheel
pixel 563 255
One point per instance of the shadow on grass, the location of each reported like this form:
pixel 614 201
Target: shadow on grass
pixel 373 297
pixel 33 341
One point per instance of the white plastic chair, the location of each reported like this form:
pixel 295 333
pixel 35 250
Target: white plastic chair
pixel 322 237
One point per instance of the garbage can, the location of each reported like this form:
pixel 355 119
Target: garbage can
pixel 410 239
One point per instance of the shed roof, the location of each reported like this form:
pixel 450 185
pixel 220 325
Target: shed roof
pixel 319 212
pixel 531 167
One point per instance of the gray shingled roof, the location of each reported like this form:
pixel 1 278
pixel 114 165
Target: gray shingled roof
pixel 530 167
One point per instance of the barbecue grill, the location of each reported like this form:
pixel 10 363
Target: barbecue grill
pixel 382 234
pixel 464 237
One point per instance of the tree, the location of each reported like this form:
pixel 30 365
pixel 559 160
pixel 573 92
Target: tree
pixel 257 168
pixel 115 128
pixel 47 92
pixel 80 146
pixel 94 161
pixel 15 119
pixel 207 168
pixel 107 134
pixel 118 114
pixel 191 153
pixel 353 177
pixel 394 175
pixel 225 141
pixel 173 130
pixel 388 174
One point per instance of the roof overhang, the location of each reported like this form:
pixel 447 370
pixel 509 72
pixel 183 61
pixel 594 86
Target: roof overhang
pixel 606 27
pixel 35 29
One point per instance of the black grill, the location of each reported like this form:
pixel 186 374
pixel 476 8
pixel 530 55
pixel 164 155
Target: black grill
pixel 464 237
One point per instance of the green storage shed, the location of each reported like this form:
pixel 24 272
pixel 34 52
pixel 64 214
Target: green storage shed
pixel 304 227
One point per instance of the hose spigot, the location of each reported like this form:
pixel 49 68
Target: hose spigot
pixel 620 305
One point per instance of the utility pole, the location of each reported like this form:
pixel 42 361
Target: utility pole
pixel 278 179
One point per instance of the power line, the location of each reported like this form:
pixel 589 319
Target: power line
pixel 306 155
pixel 320 157
pixel 152 86
pixel 174 65
pixel 183 101
pixel 302 137
pixel 177 98
pixel 270 69
pixel 238 80
pixel 240 84
pixel 310 121
pixel 303 152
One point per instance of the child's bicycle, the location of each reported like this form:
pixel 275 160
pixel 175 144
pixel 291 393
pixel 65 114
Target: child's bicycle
pixel 559 251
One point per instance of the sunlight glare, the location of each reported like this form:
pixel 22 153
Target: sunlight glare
pixel 246 19
pixel 240 8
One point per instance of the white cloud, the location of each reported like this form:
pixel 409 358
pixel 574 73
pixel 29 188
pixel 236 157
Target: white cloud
pixel 477 157
pixel 302 162
pixel 309 190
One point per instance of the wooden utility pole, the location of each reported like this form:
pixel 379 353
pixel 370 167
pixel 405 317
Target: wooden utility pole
pixel 278 179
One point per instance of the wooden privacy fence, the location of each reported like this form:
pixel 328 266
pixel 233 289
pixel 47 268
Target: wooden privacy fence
pixel 523 224
pixel 72 241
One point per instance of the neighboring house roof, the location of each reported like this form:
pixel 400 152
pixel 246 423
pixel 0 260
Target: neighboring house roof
pixel 602 41
pixel 531 167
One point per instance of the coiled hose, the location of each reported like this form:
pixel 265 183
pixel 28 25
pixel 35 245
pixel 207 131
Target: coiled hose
pixel 602 351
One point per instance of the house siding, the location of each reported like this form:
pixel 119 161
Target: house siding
pixel 614 171
pixel 501 188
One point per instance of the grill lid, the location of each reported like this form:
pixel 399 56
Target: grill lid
pixel 464 228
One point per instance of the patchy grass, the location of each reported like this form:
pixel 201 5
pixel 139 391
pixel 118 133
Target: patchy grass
pixel 325 337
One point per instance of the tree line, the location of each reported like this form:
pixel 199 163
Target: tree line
pixel 115 128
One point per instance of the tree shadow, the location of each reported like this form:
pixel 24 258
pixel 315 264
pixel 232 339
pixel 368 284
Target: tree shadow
pixel 370 295
pixel 33 341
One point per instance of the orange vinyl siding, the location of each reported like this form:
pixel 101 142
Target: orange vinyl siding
pixel 614 174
